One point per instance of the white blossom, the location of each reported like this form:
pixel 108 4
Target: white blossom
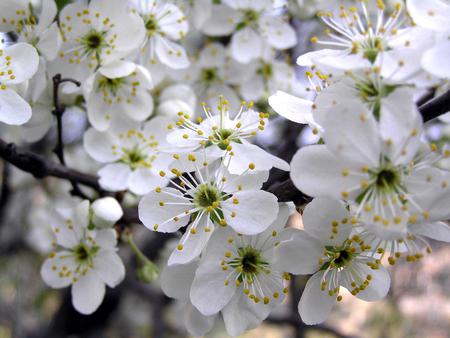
pixel 85 258
pixel 336 259
pixel 212 197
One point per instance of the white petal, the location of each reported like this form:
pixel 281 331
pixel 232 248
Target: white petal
pixel 209 294
pixel 252 180
pixel 436 60
pixel 99 146
pixel 171 54
pixel 298 255
pixel 114 177
pixel 151 212
pixel 243 314
pixel 246 153
pixel 317 172
pixel 439 231
pixel 193 244
pixel 246 45
pixel 291 107
pixel 117 69
pixel 24 61
pixel 176 280
pixel 315 304
pixel 14 109
pixel 50 270
pixel 50 42
pixel 320 218
pixel 378 286
pixel 106 238
pixel 109 267
pixel 352 133
pixel 142 181
pixel 278 33
pixel 431 14
pixel 196 323
pixel 88 293
pixel 253 213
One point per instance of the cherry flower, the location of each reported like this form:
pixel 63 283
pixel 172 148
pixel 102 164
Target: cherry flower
pixel 165 24
pixel 31 26
pixel 239 276
pixel 357 40
pixel 132 154
pixel 119 89
pixel 97 34
pixel 85 257
pixel 387 179
pixel 223 136
pixel 336 259
pixel 269 75
pixel 212 197
pixel 254 23
pixel 213 73
pixel 18 63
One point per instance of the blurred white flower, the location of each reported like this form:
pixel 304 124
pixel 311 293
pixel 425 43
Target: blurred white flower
pixel 86 258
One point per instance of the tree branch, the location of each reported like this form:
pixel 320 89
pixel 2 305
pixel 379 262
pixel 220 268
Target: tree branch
pixel 435 107
pixel 40 167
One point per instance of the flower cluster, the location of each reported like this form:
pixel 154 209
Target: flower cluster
pixel 168 109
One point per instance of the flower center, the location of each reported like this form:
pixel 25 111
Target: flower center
pixel 207 196
pixel 250 17
pixel 387 179
pixel 84 254
pixel 151 25
pixel 110 85
pixel 94 41
pixel 266 70
pixel 209 75
pixel 249 264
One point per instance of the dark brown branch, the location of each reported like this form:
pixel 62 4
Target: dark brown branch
pixel 40 167
pixel 436 107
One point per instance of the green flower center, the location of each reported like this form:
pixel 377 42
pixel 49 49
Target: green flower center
pixel 135 158
pixel 209 75
pixel 94 41
pixel 250 17
pixel 249 263
pixel 266 70
pixel 84 254
pixel 151 25
pixel 338 257
pixel 110 85
pixel 207 196
pixel 387 179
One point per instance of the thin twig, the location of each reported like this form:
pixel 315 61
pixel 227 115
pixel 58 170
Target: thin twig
pixel 58 112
